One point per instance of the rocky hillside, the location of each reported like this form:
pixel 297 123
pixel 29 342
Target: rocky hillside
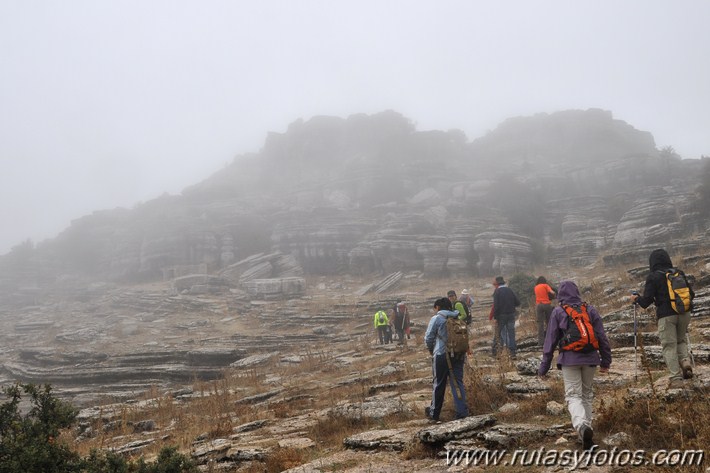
pixel 371 195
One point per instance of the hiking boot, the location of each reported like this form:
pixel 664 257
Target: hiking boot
pixel 587 434
pixel 427 413
pixel 675 383
pixel 687 369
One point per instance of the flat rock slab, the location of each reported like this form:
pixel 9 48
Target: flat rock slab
pixel 259 397
pixel 457 429
pixel 299 443
pixel 389 439
pixel 249 426
pixel 215 449
pixel 253 360
pixel 133 447
pixel 505 435
pixel 373 408
pixel 531 387
pixel 242 454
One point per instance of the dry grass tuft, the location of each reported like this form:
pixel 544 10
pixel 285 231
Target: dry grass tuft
pixel 484 396
pixel 330 431
pixel 279 459
pixel 537 405
pixel 657 423
pixel 417 450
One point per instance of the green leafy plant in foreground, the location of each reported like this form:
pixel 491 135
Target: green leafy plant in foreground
pixel 29 441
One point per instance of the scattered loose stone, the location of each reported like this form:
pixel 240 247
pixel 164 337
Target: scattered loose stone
pixel 528 366
pixel 509 407
pixel 554 408
pixel 618 439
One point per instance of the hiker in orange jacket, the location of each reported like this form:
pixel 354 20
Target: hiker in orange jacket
pixel 543 307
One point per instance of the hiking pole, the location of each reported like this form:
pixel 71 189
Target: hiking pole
pixel 636 364
pixel 455 388
pixel 690 349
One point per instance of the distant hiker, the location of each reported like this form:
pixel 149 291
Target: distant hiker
pixel 382 324
pixel 672 311
pixel 543 307
pixel 467 300
pixel 457 305
pixel 400 320
pixel 447 361
pixel 504 313
pixel 407 322
pixel 583 346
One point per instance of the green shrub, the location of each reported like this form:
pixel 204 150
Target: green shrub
pixel 28 441
pixel 523 285
pixel 169 461
pixel 104 462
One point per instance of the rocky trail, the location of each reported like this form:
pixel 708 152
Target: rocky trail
pixel 300 385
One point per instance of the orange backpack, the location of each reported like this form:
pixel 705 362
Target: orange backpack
pixel 579 335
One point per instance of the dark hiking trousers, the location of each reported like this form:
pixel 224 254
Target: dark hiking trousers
pixel 441 376
pixel 543 312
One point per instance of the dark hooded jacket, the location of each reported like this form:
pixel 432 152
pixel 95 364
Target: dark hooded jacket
pixel 656 288
pixel 504 302
pixel 569 295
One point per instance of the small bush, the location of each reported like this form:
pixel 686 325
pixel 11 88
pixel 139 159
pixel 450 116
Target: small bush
pixel 523 285
pixel 29 442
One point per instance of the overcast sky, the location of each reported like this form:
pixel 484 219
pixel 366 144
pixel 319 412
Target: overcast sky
pixel 106 104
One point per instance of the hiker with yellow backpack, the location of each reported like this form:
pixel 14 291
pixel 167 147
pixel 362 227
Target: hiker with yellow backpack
pixel 668 288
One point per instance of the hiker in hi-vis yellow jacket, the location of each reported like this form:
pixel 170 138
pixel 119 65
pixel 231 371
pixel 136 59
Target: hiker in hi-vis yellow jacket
pixel 382 324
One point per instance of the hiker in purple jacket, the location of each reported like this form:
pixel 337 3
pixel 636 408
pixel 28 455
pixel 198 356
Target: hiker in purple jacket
pixel 578 368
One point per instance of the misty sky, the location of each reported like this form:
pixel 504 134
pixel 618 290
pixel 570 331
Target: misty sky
pixel 105 104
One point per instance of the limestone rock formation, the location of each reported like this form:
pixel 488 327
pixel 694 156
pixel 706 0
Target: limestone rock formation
pixel 372 195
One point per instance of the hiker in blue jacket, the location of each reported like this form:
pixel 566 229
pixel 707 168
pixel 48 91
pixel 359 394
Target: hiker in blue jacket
pixel 435 339
pixel 578 368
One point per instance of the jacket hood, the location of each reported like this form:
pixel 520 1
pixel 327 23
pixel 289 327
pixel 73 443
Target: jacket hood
pixel 569 294
pixel 659 259
pixel 448 313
